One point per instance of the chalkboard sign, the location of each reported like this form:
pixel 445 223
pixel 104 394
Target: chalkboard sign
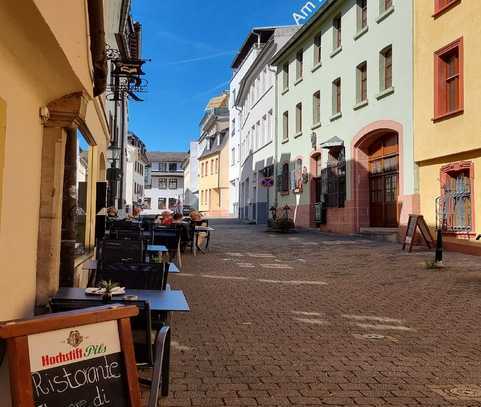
pixel 415 222
pixel 73 359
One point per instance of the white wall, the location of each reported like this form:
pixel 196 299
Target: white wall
pixel 155 193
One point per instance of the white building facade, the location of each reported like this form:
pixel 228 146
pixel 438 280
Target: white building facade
pixel 136 161
pixel 243 61
pixel 164 188
pixel 191 175
pixel 255 102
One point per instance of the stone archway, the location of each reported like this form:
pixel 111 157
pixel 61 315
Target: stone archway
pixel 369 146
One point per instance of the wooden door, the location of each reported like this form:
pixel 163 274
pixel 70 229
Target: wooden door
pixel 384 181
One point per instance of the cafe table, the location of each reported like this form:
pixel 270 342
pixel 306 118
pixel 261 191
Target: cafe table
pixel 161 301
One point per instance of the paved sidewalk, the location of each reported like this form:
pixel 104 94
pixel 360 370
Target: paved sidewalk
pixel 310 319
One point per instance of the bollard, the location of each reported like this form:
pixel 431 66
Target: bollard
pixel 439 247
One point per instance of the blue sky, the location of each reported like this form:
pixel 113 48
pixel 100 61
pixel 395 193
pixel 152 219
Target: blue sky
pixel 192 44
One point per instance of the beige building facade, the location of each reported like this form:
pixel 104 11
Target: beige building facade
pixel 53 78
pixel 213 162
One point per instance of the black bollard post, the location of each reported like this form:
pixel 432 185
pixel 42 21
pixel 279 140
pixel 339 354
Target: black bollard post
pixel 439 247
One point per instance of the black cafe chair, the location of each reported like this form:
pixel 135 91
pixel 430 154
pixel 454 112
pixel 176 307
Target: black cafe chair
pixel 152 347
pixel 142 276
pixel 120 251
pixel 169 236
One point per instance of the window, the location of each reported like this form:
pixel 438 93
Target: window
pixel 269 126
pixel 298 118
pixel 317 49
pixel 337 27
pixel 147 203
pixel 173 183
pixel 216 165
pixel 162 183
pixel 336 96
pixel 449 86
pixel 284 178
pixel 232 157
pixel 386 69
pixel 316 108
pixel 232 131
pixel 361 76
pixel 299 64
pixel 202 169
pixel 440 6
pixel 172 203
pixel 285 75
pixel 455 204
pixel 162 167
pixel 162 203
pixel 361 15
pixel 384 5
pixel 212 167
pixel 285 126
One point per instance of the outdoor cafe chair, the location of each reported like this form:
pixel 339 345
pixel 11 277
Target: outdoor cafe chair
pixel 120 251
pixel 169 236
pixel 152 347
pixel 142 276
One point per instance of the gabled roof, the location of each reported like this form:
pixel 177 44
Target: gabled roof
pixel 217 148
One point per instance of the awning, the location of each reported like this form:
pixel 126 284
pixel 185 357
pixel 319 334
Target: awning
pixel 333 142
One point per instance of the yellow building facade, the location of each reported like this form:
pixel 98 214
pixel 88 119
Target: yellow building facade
pixel 213 165
pixel 447 123
pixel 49 94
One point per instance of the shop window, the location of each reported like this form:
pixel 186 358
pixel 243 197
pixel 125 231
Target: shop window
pixel 283 179
pixel 82 181
pixel 335 178
pixel 449 81
pixel 455 206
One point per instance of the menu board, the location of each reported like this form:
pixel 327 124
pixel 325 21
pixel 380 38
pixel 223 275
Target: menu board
pixel 82 358
pixel 415 222
pixel 78 367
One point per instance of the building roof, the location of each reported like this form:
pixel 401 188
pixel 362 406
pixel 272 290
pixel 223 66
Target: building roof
pixel 256 35
pixel 305 28
pixel 157 156
pixel 218 101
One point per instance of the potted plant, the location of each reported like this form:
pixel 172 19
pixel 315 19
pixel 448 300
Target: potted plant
pixel 109 286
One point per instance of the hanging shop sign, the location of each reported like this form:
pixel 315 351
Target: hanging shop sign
pixel 128 68
pixel 79 358
pixel 417 222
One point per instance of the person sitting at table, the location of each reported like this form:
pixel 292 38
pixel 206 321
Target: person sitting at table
pixel 177 218
pixel 196 216
pixel 158 220
pixel 167 218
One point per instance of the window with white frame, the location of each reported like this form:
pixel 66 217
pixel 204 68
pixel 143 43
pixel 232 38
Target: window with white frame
pixel 299 64
pixel 336 96
pixel 361 15
pixel 385 68
pixel 317 49
pixel 337 32
pixel 285 76
pixel 285 126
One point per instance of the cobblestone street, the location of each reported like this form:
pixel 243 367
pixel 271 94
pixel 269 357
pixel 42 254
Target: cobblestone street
pixel 311 319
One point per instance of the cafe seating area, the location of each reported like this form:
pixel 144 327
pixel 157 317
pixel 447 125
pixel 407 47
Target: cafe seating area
pixel 132 265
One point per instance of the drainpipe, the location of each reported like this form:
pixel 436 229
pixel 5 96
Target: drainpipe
pixel 276 138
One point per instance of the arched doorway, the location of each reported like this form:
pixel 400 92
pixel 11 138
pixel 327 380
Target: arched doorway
pixel 383 159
